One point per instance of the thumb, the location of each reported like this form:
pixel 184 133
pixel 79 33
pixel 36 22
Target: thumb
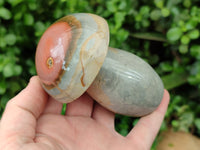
pixel 21 112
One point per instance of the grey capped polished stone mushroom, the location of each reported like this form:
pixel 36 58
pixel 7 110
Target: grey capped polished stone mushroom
pixel 73 57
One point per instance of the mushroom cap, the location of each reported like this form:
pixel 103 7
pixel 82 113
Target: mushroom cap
pixel 70 54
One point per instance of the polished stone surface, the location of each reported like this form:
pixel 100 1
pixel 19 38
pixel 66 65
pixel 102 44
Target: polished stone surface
pixel 84 55
pixel 72 57
pixel 127 85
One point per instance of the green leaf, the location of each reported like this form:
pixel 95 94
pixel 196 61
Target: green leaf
pixel 15 86
pixel 159 3
pixel 2 87
pixel 15 2
pixel 197 123
pixel 166 67
pixel 4 101
pixel 145 23
pixel 111 6
pixel 58 13
pixel 138 17
pixel 119 18
pixel 194 34
pixel 39 28
pixel 2 42
pixel 192 23
pixel 31 66
pixel 169 80
pixel 185 39
pixel 1 2
pixel 174 34
pixel 135 121
pixel 18 16
pixel 28 19
pixel 122 35
pixel 122 5
pixel 63 109
pixel 2 30
pixel 187 3
pixel 183 48
pixel 175 123
pixel 150 36
pixel 174 10
pixel 17 70
pixel 8 70
pixel 194 11
pixel 3 62
pixel 144 10
pixel 186 120
pixel 155 14
pixel 194 80
pixel 165 12
pixel 195 51
pixel 10 39
pixel 72 5
pixel 195 68
pixel 32 5
pixel 5 13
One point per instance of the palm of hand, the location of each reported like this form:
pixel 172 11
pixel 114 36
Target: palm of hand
pixel 83 129
pixel 32 121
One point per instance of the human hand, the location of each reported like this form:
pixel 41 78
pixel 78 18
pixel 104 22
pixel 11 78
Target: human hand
pixel 32 121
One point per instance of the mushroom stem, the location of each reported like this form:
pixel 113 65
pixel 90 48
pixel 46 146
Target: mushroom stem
pixel 127 85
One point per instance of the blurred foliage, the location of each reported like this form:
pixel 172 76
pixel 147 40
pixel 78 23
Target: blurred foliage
pixel 165 33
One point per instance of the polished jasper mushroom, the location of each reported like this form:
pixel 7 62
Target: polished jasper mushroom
pixel 73 57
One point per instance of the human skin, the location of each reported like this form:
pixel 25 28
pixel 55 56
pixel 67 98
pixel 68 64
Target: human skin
pixel 32 121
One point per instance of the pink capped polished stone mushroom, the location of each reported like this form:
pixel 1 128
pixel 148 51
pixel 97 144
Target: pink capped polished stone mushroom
pixel 73 57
